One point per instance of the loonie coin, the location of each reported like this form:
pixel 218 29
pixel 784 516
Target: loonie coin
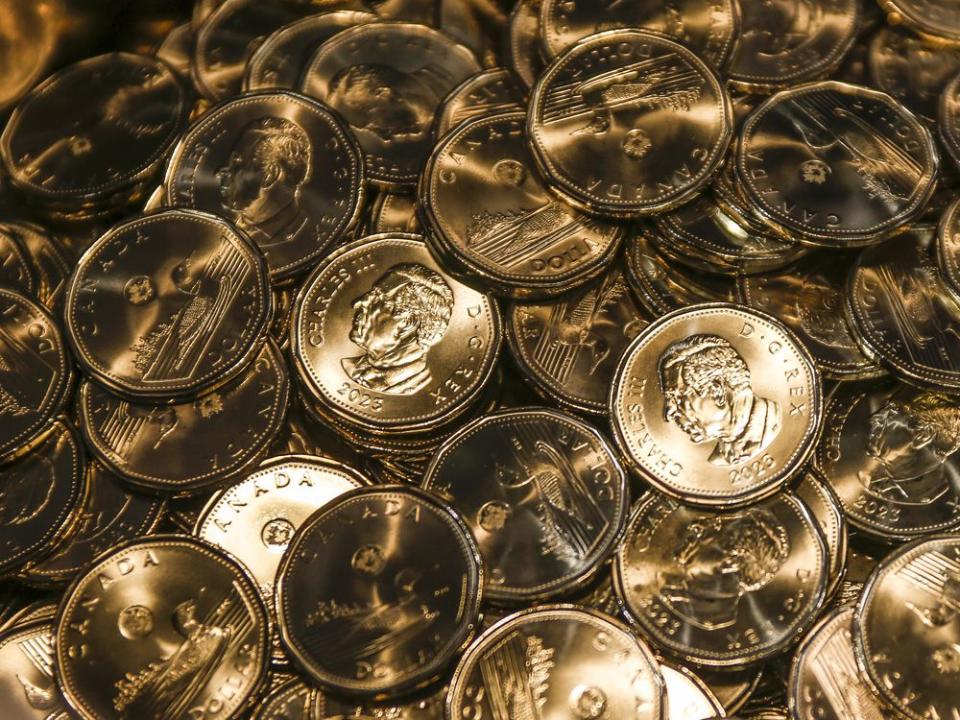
pixel 378 591
pixel 688 697
pixel 937 18
pixel 17 272
pixel 393 213
pixel 732 688
pixel 491 92
pixel 627 123
pixel 948 246
pixel 176 50
pixel 292 700
pixel 732 413
pixel 27 687
pixel 523 51
pixel 48 260
pixel 826 510
pixel 948 118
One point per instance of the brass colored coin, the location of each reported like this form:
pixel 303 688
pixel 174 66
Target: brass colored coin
pixel 836 165
pixel 824 679
pixel 424 705
pixel 937 18
pixel 255 519
pixel 826 510
pixel 278 63
pixel 384 338
pixel 575 662
pixel 722 589
pixel 378 591
pixel 387 79
pixel 948 118
pixel 733 411
pixel 569 346
pixel 628 123
pixel 543 494
pixel 732 688
pixel 17 272
pixel 176 50
pixel 193 444
pixel 284 169
pixel 164 627
pixel 487 207
pixel 889 453
pixel 905 632
pixel 809 299
pixel 393 213
pixel 948 246
pixel 523 50
pixel 293 700
pixel 688 697
pixel 49 261
pixel 167 305
pixel 27 687
pixel 35 371
pixel 491 92
pixel 707 27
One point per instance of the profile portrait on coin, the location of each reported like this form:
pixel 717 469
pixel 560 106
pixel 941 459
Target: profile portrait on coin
pixel 707 392
pixel 404 314
pixel 387 102
pixel 720 560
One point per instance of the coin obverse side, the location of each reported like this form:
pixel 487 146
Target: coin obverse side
pixel 27 687
pixel 576 662
pixel 627 123
pixel 732 411
pixel 165 626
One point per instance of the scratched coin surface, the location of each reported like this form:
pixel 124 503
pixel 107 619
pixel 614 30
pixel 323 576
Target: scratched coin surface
pixel 543 494
pixel 189 445
pixel 571 662
pixel 629 123
pixel 27 687
pixel 36 371
pixel 890 454
pixel 282 168
pixel 164 627
pixel 716 404
pixel 836 165
pixel 937 18
pixel 384 337
pixel 722 588
pixel 486 204
pixel 387 79
pixel 490 92
pixel 379 590
pixel 908 611
pixel 168 304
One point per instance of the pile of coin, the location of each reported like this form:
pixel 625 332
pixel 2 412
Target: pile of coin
pixel 480 360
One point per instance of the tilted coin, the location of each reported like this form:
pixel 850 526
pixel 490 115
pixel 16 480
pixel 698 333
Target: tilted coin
pixel 424 705
pixel 781 45
pixel 732 688
pixel 936 18
pixel 279 61
pixel 384 338
pixel 393 212
pixel 49 261
pixel 824 679
pixel 94 128
pixel 255 519
pixel 836 165
pixel 167 305
pixel 176 50
pixel 27 687
pixel 889 453
pixel 387 80
pixel 487 207
pixel 722 589
pixel 629 123
pixel 905 629
pixel 707 27
pixel 571 662
pixel 903 313
pixel 379 590
pixel 688 697
pixel 948 118
pixel 282 168
pixel 36 371
pixel 543 494
pixel 17 272
pixel 490 92
pixel 282 313
pixel 185 446
pixel 163 627
pixel 293 700
pixel 731 414
pixel 948 246
pixel 826 510
pixel 523 51
pixel 809 299
pixel 569 346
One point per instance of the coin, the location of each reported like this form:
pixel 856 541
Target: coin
pixel 385 339
pixel 722 589
pixel 933 17
pixel 888 452
pixel 393 213
pixel 543 494
pixel 569 346
pixel 282 168
pixel 48 260
pixel 176 50
pixel 279 61
pixel 17 272
pixel 293 700
pixel 948 246
pixel 487 93
pixel 826 510
pixel 688 697
pixel 189 445
pixel 161 627
pixel 523 52
pixel 824 679
pixel 35 372
pixel 379 590
pixel 836 165
pixel 621 146
pixel 27 687
pixel 948 118
pixel 387 79
pixel 907 613
pixel 707 27
pixel 192 298
pixel 903 313
pixel 486 206
pixel 575 662
pixel 734 412
pixel 781 46
pixel 732 688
